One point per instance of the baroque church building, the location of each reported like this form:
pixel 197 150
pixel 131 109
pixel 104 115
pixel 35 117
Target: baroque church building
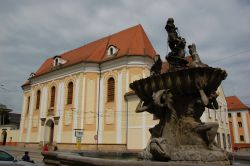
pixel 87 89
pixel 83 89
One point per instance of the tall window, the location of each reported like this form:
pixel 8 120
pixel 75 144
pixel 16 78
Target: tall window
pixel 240 124
pixel 229 115
pixel 242 138
pixel 70 93
pixel 28 105
pixel 111 89
pixel 38 94
pixel 238 114
pixel 52 96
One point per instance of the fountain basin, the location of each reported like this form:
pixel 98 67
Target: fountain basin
pixel 60 158
pixel 181 82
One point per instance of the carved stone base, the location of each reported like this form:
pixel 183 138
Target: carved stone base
pixel 188 154
pixel 197 153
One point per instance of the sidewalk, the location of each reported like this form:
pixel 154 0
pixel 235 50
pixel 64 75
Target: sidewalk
pixel 20 149
pixel 242 155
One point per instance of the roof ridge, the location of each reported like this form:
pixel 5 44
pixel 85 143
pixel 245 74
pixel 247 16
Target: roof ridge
pixel 130 41
pixel 146 40
pixel 134 36
pixel 140 29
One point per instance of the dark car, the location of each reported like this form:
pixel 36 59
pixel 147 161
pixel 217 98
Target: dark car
pixel 7 159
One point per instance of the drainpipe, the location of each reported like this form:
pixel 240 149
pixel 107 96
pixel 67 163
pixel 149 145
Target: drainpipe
pixel 127 128
pixel 126 99
pixel 98 109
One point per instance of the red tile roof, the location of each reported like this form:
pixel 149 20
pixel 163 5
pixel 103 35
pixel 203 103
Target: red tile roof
pixel 234 103
pixel 131 41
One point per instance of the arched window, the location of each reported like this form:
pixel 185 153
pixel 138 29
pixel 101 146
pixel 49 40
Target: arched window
pixel 28 104
pixel 38 94
pixel 70 93
pixel 112 50
pixel 111 89
pixel 52 96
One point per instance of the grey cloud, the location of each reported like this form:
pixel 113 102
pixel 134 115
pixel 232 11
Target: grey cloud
pixel 32 31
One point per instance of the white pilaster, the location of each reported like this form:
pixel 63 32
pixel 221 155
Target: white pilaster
pixel 58 100
pixel 60 112
pixel 44 102
pixel 41 110
pixel 101 111
pixel 30 116
pixel 75 108
pixel 97 111
pixel 127 80
pixel 245 126
pixel 235 127
pixel 119 109
pixel 144 131
pixel 22 118
pixel 83 101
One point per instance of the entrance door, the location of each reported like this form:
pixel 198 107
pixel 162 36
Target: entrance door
pixel 49 132
pixel 51 135
pixel 4 137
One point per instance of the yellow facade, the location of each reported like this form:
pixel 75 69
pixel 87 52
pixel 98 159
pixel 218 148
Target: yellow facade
pixel 103 122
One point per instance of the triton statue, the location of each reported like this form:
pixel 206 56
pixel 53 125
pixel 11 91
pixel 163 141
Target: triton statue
pixel 178 99
pixel 176 57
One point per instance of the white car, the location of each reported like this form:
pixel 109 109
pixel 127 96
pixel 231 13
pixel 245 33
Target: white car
pixel 6 159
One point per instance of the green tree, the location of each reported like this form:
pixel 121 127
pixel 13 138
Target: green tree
pixel 4 114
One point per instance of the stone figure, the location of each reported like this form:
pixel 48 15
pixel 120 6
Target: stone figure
pixel 156 68
pixel 176 57
pixel 196 61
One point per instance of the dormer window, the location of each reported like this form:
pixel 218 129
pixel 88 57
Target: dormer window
pixel 112 50
pixel 58 61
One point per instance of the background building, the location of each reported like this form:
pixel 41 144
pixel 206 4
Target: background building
pixel 9 125
pixel 220 116
pixel 239 119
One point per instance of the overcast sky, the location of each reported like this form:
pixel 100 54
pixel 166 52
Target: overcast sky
pixel 32 31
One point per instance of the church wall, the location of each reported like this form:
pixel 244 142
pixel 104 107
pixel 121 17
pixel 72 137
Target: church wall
pixel 90 106
pixel 83 112
pixel 110 108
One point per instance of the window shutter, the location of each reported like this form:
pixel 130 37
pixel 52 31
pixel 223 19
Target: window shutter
pixel 111 89
pixel 52 98
pixel 38 94
pixel 70 93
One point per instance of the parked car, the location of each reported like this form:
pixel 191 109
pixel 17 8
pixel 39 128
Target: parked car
pixel 6 159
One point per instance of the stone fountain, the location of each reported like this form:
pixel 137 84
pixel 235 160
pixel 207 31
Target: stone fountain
pixel 178 99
